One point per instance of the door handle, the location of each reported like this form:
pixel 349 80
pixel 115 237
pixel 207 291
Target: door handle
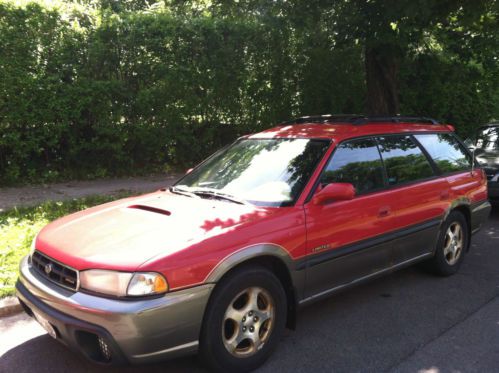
pixel 384 211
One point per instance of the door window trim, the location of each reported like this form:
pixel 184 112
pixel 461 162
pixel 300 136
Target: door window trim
pixel 386 186
pixel 317 181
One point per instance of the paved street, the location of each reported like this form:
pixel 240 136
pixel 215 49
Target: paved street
pixel 409 321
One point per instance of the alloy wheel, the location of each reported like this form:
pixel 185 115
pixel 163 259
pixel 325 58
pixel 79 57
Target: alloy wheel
pixel 248 322
pixel 453 243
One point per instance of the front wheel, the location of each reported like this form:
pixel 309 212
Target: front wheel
pixel 451 245
pixel 244 320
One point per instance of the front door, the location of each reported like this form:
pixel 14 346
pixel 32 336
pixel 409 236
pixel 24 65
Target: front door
pixel 343 237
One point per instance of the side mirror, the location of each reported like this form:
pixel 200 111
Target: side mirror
pixel 334 192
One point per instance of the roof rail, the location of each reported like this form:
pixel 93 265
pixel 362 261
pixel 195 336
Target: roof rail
pixel 326 118
pixel 397 119
pixel 358 119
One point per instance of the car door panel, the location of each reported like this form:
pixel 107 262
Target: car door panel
pixel 341 238
pixel 419 208
pixel 338 233
pixel 419 196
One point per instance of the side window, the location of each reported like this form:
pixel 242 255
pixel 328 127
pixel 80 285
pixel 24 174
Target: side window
pixel 446 151
pixel 404 160
pixel 357 162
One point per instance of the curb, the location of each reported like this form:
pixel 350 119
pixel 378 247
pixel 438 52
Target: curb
pixel 9 306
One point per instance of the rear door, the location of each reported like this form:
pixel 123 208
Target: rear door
pixel 419 196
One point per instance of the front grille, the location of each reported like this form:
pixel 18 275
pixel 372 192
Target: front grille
pixel 55 271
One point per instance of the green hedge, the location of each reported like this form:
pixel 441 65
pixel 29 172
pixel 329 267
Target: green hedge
pixel 147 91
pixel 138 92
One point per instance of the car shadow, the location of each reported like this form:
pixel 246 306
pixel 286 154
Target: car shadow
pixel 44 354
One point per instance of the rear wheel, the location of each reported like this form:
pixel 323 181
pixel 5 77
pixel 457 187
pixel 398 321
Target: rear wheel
pixel 244 320
pixel 451 245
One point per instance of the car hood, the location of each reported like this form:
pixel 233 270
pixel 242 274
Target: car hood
pixel 124 234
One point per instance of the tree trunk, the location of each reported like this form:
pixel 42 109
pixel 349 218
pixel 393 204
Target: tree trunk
pixel 382 67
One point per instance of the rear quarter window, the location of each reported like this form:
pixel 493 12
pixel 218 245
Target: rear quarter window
pixel 446 151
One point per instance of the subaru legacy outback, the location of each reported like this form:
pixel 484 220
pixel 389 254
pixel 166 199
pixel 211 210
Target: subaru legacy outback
pixel 220 262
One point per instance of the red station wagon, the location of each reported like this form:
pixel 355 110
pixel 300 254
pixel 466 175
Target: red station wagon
pixel 220 262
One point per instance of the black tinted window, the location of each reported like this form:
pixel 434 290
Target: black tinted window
pixel 404 160
pixel 357 162
pixel 446 151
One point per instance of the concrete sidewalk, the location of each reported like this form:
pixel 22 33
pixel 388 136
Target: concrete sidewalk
pixel 32 195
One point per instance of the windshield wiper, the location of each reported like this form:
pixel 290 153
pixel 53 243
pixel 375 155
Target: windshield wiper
pixel 184 192
pixel 212 193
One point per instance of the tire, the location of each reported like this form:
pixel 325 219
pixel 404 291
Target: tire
pixel 229 344
pixel 448 257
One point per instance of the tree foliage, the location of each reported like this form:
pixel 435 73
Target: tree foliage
pixel 102 87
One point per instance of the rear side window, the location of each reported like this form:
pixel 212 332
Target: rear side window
pixel 446 151
pixel 357 162
pixel 404 160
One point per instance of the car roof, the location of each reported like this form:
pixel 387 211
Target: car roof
pixel 340 131
pixel 491 124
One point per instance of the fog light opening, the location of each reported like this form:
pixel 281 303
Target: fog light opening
pixel 104 349
pixel 95 347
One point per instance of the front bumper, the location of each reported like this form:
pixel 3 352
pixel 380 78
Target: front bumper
pixel 136 331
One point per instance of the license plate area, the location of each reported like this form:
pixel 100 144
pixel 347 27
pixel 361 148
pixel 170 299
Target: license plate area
pixel 45 325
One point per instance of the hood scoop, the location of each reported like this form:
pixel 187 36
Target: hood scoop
pixel 150 209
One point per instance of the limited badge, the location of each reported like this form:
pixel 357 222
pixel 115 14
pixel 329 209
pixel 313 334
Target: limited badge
pixel 321 248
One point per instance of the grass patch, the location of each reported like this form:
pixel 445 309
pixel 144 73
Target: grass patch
pixel 19 226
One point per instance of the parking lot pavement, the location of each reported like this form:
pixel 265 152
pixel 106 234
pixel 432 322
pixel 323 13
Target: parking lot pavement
pixel 409 321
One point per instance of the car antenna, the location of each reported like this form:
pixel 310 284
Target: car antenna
pixel 473 161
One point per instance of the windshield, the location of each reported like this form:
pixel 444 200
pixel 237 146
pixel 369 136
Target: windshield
pixel 488 139
pixel 268 172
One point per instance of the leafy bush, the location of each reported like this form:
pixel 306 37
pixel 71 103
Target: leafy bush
pixel 103 91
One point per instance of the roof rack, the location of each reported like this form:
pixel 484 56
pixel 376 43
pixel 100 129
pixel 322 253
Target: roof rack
pixel 491 124
pixel 398 119
pixel 326 118
pixel 359 119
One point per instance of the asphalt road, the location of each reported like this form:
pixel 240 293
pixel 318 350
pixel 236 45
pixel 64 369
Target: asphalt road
pixel 409 321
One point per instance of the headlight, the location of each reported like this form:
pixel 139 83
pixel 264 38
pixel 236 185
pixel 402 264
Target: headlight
pixel 122 284
pixel 147 283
